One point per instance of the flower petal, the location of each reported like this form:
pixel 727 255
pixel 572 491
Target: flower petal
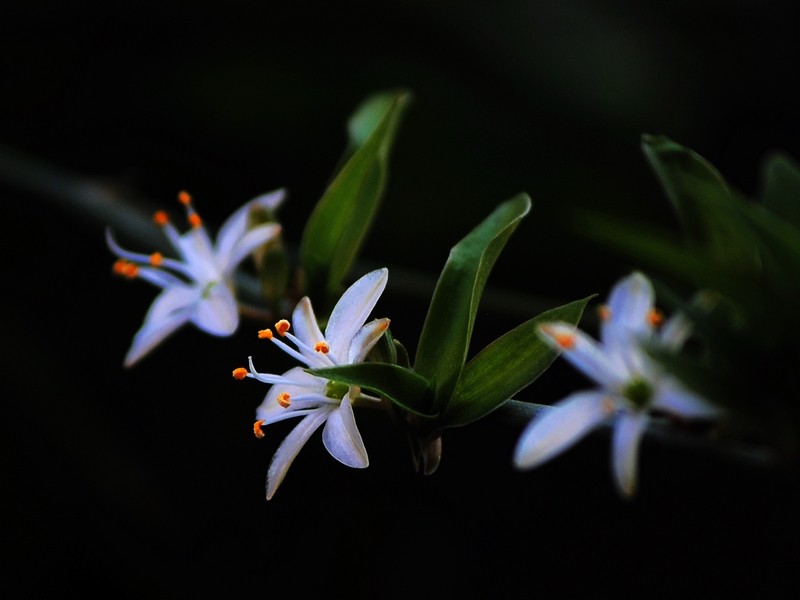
pixel 673 397
pixel 625 450
pixel 585 354
pixel 630 304
pixel 675 332
pixel 352 310
pixel 153 332
pixel 216 311
pixel 560 427
pixel 271 411
pixel 227 262
pixel 177 298
pixel 365 338
pixel 235 227
pixel 289 448
pixel 342 438
pixel 195 247
pixel 305 323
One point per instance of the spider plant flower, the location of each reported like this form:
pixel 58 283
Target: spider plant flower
pixel 630 383
pixel 198 288
pixel 296 393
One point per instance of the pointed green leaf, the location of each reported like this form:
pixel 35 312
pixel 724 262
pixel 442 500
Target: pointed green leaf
pixel 446 333
pixel 781 192
pixel 703 200
pixel 507 365
pixel 339 223
pixel 402 386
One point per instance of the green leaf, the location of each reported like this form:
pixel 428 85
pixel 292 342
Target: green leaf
pixel 507 365
pixel 402 386
pixel 781 188
pixel 337 227
pixel 446 333
pixel 703 200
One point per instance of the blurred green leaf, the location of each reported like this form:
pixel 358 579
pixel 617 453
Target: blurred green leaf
pixel 446 333
pixel 507 365
pixel 704 202
pixel 337 227
pixel 402 386
pixel 781 187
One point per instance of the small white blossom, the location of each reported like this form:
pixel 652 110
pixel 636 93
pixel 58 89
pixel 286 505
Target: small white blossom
pixel 631 383
pixel 347 340
pixel 199 287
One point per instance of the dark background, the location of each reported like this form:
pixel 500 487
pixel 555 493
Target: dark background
pixel 134 482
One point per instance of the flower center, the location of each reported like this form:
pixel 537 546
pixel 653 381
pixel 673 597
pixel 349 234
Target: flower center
pixel 639 392
pixel 336 390
pixel 206 293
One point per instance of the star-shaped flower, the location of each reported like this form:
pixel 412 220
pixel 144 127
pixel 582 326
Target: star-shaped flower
pixel 198 288
pixel 631 384
pixel 347 340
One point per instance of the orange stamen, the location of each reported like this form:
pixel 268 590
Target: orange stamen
pixel 240 373
pixel 120 266
pixel 607 405
pixel 155 259
pixel 130 270
pixel 322 347
pixel 194 220
pixel 282 327
pixel 565 340
pixel 184 197
pixel 655 317
pixel 161 218
pixel 265 334
pixel 257 428
pixel 283 400
pixel 604 312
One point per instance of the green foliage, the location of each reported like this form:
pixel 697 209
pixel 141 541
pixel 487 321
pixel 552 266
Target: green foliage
pixel 506 366
pixel 337 227
pixel 446 334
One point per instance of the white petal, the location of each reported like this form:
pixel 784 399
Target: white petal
pixel 352 310
pixel 270 410
pixel 235 227
pixel 291 446
pixel 629 304
pixel 177 298
pixel 342 438
pixel 625 450
pixel 586 355
pixel 365 339
pixel 672 396
pixel 559 427
pixel 305 325
pixel 195 247
pixel 153 332
pixel 251 240
pixel 216 313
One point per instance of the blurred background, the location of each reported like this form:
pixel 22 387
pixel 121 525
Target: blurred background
pixel 149 480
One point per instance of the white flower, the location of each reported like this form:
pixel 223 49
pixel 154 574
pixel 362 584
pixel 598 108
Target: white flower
pixel 630 382
pixel 197 288
pixel 347 340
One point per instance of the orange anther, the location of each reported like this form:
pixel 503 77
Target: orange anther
pixel 240 373
pixel 130 270
pixel 257 428
pixel 655 317
pixel 155 259
pixel 161 218
pixel 265 334
pixel 607 405
pixel 282 327
pixel 194 220
pixel 565 340
pixel 322 347
pixel 604 312
pixel 184 197
pixel 283 400
pixel 120 266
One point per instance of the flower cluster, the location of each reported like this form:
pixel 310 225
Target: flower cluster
pixel 630 383
pixel 347 340
pixel 198 288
